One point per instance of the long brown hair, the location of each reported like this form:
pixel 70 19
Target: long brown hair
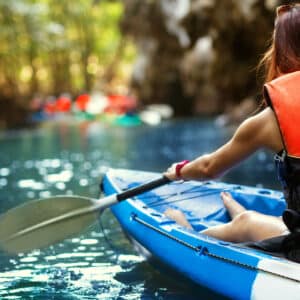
pixel 283 56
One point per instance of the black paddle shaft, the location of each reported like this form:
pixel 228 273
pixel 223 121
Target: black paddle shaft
pixel 142 188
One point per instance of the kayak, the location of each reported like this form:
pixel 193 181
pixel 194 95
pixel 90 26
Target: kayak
pixel 229 269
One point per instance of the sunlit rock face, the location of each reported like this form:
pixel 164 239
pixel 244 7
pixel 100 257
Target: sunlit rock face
pixel 198 55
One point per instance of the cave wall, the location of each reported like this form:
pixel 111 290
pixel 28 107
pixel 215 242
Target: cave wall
pixel 199 56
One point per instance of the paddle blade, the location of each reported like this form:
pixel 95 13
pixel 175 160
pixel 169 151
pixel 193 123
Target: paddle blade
pixel 44 222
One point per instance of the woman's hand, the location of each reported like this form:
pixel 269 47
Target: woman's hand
pixel 174 172
pixel 171 172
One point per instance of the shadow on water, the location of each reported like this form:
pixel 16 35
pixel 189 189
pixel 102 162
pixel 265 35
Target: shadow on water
pixel 68 158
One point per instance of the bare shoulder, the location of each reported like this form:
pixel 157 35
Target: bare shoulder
pixel 267 115
pixel 264 117
pixel 271 132
pixel 263 130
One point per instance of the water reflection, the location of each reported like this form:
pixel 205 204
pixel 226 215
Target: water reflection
pixel 70 159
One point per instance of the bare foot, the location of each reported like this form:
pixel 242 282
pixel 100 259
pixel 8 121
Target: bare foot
pixel 178 216
pixel 233 207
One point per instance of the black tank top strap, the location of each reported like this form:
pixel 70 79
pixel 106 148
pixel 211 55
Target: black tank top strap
pixel 288 172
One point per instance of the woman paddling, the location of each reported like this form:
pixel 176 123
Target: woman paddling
pixel 276 128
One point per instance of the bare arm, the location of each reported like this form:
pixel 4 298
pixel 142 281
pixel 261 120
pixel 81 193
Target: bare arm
pixel 256 132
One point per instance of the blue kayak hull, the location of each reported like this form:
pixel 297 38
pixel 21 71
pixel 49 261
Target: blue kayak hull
pixel 226 268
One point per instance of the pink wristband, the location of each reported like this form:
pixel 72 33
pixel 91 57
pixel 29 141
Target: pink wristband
pixel 179 166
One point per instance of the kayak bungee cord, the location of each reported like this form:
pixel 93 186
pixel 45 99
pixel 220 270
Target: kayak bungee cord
pixel 160 203
pixel 201 191
pixel 177 193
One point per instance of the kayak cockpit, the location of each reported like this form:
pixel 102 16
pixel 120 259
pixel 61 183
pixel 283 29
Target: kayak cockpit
pixel 201 202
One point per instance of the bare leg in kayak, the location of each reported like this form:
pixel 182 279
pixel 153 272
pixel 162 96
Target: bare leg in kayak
pixel 178 216
pixel 233 207
pixel 245 225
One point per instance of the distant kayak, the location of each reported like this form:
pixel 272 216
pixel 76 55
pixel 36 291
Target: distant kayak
pixel 232 270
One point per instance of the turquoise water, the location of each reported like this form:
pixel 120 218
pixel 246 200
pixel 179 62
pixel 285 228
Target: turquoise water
pixel 70 158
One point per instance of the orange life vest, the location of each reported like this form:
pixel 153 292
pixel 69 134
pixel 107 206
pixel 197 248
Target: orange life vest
pixel 283 95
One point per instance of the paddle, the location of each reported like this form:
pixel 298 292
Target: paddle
pixel 44 222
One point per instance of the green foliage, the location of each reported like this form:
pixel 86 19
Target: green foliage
pixel 55 46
